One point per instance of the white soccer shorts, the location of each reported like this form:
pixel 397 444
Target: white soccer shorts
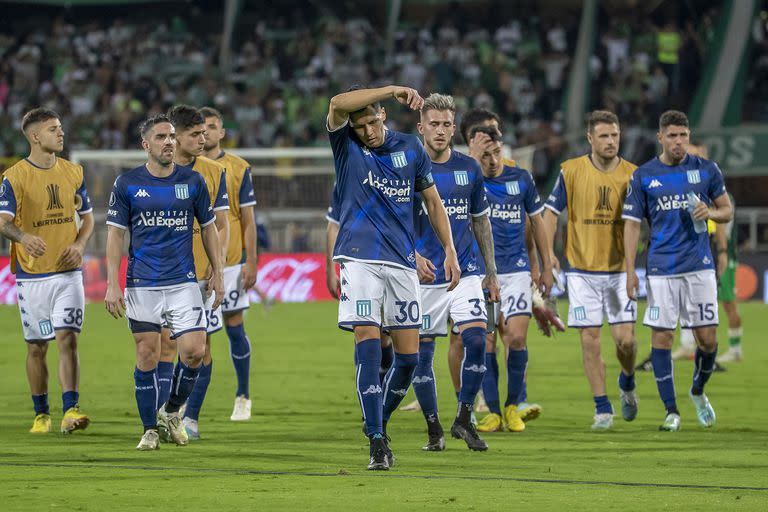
pixel 215 319
pixel 593 297
pixel 50 304
pixel 463 304
pixel 377 294
pixel 516 295
pixel 691 298
pixel 178 307
pixel 235 296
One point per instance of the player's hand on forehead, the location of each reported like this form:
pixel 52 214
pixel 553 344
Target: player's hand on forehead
pixel 410 97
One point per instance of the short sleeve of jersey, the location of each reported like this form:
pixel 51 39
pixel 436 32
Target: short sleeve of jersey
pixel 7 198
pixel 424 178
pixel 202 206
pixel 634 204
pixel 716 182
pixel 338 138
pixel 479 205
pixel 533 205
pixel 118 211
pixel 333 209
pixel 222 198
pixel 558 199
pixel 246 195
pixel 85 201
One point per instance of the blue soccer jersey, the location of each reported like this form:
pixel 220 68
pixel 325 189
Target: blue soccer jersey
pixel 159 213
pixel 658 192
pixel 512 196
pixel 376 188
pixel 333 208
pixel 460 184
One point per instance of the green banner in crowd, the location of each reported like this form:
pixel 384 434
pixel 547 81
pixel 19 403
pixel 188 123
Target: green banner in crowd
pixel 740 151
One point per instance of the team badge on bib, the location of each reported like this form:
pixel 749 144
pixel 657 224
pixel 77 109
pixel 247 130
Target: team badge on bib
pixel 461 177
pixel 182 191
pixel 398 159
pixel 513 188
pixel 694 177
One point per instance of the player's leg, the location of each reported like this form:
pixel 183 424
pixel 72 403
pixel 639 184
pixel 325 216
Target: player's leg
pixel 387 355
pixel 168 355
pixel 687 346
pixel 626 353
pixel 491 422
pixel 727 296
pixel 661 316
pixel 235 303
pixel 701 314
pixel 455 356
pixel 469 314
pixel 37 375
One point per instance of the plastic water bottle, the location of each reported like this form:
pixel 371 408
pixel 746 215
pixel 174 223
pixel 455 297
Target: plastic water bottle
pixel 490 308
pixel 699 226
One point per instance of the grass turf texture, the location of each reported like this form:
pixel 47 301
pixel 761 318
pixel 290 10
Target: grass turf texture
pixel 303 448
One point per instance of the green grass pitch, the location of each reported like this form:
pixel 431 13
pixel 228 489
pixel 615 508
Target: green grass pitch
pixel 303 449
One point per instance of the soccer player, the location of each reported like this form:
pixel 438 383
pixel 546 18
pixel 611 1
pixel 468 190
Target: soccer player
pixel 240 269
pixel 189 124
pixel 334 284
pixel 592 188
pixel 41 199
pixel 681 275
pixel 513 198
pixel 157 204
pixel 378 172
pixel 459 182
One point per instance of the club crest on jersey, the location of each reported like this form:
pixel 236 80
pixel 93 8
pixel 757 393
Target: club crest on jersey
pixel 363 307
pixel 398 159
pixel 513 188
pixel 653 313
pixel 426 322
pixel 182 191
pixel 694 177
pixel 579 313
pixel 461 177
pixel 45 327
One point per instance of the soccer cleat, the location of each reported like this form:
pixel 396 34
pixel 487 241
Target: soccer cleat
pixel 481 406
pixel 468 433
pixel 704 411
pixel 671 423
pixel 603 421
pixel 646 365
pixel 41 425
pixel 183 410
pixel 379 461
pixel 733 355
pixel 171 422
pixel 528 412
pixel 73 420
pixel 436 439
pixel 388 452
pixel 628 401
pixel 149 441
pixel 242 409
pixel 491 423
pixel 513 420
pixel 191 428
pixel 683 353
pixel 413 406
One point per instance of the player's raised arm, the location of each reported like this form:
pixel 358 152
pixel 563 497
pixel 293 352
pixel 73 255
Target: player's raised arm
pixel 442 226
pixel 345 103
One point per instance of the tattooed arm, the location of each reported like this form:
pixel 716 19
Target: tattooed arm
pixel 34 245
pixel 481 225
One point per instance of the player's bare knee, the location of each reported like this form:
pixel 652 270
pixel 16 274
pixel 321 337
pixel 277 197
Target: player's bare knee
pixel 233 319
pixel 516 341
pixel 626 344
pixel 706 338
pixel 37 350
pixel 66 341
pixel 147 355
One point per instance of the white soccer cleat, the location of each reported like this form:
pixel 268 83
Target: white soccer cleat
pixel 191 428
pixel 732 355
pixel 671 423
pixel 603 421
pixel 172 423
pixel 149 441
pixel 628 401
pixel 704 411
pixel 242 409
pixel 413 406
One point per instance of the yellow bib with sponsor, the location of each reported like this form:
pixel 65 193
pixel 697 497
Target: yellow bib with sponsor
pixel 595 202
pixel 46 202
pixel 211 172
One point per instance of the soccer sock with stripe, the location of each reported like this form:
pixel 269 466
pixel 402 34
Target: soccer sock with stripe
pixel 184 378
pixel 195 401
pixel 704 363
pixel 41 404
pixel 665 378
pixel 626 382
pixel 602 405
pixel 164 378
pixel 368 384
pixel 146 396
pixel 396 382
pixel 424 380
pixel 473 364
pixel 491 383
pixel 517 361
pixel 69 399
pixel 240 350
pixel 523 391
pixel 734 336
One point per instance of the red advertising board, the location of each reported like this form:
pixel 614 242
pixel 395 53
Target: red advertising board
pixel 296 277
